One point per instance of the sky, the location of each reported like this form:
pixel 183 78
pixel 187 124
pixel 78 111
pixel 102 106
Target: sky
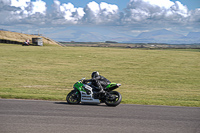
pixel 191 4
pixel 96 20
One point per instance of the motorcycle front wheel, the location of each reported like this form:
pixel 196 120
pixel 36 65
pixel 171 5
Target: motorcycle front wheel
pixel 73 97
pixel 113 99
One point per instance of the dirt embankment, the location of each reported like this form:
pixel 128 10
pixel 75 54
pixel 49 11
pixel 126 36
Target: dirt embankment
pixel 20 37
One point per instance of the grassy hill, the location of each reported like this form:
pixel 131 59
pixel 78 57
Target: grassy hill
pixel 20 37
pixel 151 77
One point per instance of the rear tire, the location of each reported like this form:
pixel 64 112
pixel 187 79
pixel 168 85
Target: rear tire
pixel 114 102
pixel 73 97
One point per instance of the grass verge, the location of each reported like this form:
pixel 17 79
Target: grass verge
pixel 150 77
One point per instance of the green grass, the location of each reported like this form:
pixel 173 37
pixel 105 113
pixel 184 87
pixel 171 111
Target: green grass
pixel 150 77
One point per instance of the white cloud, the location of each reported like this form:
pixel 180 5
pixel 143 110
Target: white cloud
pixel 21 9
pixel 93 13
pixel 29 7
pixel 102 13
pixel 109 11
pixel 23 12
pixel 138 14
pixel 71 13
pixel 38 7
pixel 92 8
pixel 161 3
pixel 20 3
pixel 152 11
pixel 179 9
pixel 66 13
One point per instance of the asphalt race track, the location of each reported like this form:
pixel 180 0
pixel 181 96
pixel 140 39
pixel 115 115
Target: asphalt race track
pixel 29 116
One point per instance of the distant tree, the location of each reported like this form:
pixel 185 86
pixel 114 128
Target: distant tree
pixel 110 42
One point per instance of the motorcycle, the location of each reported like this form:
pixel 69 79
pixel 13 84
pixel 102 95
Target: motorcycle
pixel 88 93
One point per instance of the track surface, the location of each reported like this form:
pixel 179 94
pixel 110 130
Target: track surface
pixel 29 116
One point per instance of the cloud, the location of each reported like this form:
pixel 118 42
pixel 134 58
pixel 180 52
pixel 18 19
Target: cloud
pixel 67 13
pixel 102 13
pixel 195 15
pixel 18 11
pixel 138 14
pixel 151 11
pixel 4 3
pixel 27 7
pixel 92 13
pixel 38 7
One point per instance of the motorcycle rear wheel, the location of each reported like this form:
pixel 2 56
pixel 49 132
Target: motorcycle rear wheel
pixel 113 99
pixel 73 97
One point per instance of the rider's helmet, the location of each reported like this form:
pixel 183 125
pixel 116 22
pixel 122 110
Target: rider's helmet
pixel 95 74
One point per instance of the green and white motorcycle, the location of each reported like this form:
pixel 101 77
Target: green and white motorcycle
pixel 87 93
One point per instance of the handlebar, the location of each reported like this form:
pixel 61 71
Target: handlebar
pixel 81 80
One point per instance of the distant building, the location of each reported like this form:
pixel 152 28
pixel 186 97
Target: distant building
pixel 37 41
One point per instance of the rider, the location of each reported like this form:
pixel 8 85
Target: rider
pixel 98 81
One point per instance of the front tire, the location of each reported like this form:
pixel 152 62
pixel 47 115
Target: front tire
pixel 73 97
pixel 113 99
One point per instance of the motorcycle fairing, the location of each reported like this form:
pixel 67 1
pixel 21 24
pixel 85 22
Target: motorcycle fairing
pixel 86 98
pixel 112 86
